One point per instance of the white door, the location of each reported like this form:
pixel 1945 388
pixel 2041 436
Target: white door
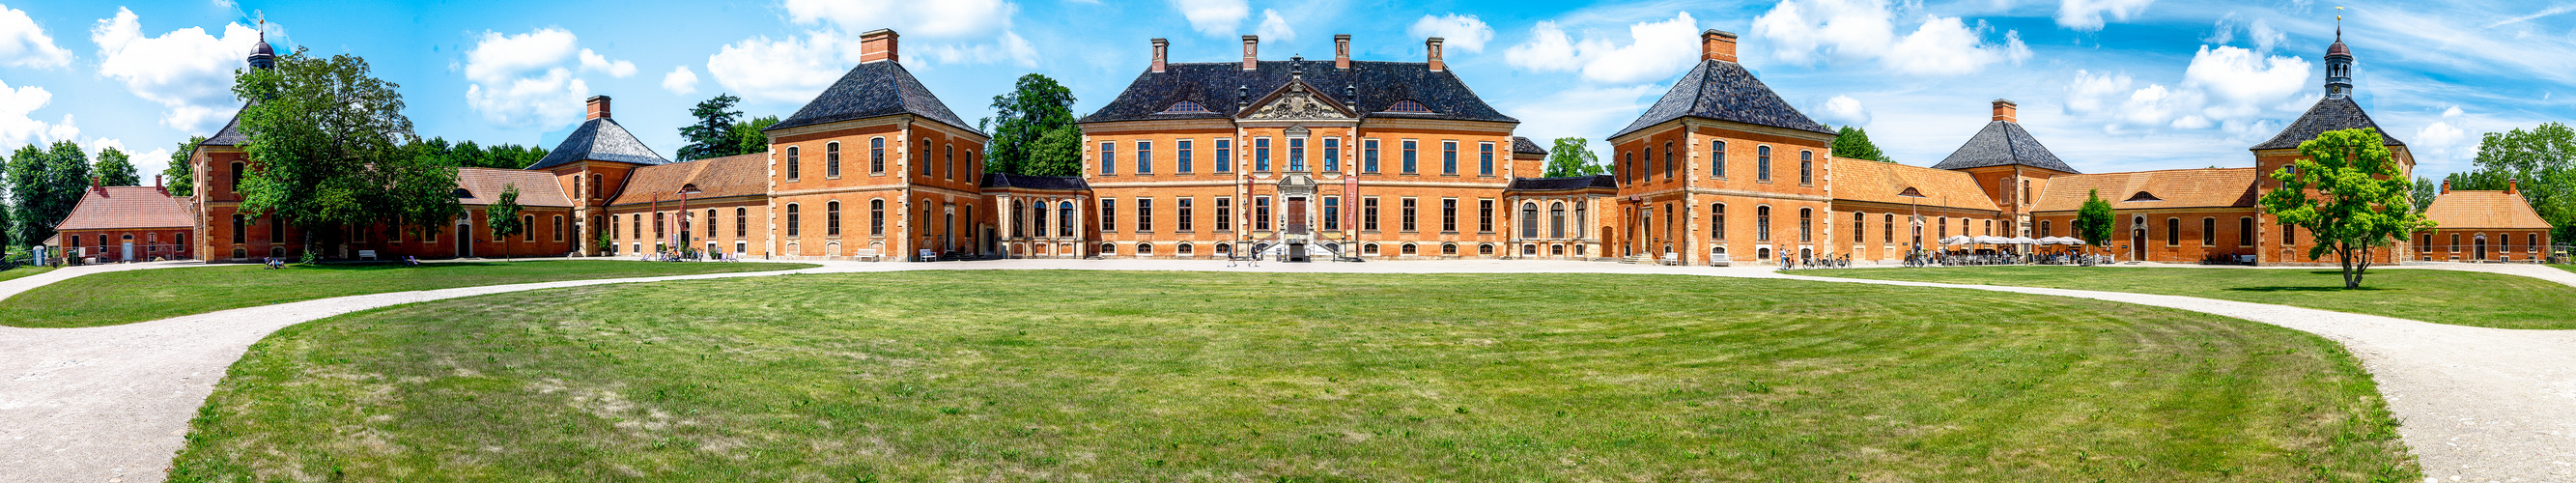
pixel 129 249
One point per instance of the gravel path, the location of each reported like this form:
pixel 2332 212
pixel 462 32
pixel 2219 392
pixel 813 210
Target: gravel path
pixel 113 403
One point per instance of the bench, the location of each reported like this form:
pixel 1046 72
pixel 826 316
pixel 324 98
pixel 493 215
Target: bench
pixel 869 254
pixel 928 255
pixel 366 254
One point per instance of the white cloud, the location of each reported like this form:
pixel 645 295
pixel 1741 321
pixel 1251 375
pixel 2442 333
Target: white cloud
pixel 1843 111
pixel 923 19
pixel 187 71
pixel 2260 32
pixel 2236 90
pixel 1010 47
pixel 530 79
pixel 1214 17
pixel 18 125
pixel 1274 28
pixel 1656 50
pixel 789 70
pixel 2443 142
pixel 25 44
pixel 1583 112
pixel 1810 31
pixel 1464 32
pixel 2086 15
pixel 680 81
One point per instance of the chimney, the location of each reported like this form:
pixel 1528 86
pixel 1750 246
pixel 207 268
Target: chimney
pixel 878 45
pixel 598 107
pixel 1432 48
pixel 1251 49
pixel 1342 51
pixel 2007 111
pixel 156 185
pixel 1717 44
pixel 2512 186
pixel 98 184
pixel 2446 186
pixel 1162 49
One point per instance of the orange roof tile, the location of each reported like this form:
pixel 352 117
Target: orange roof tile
pixel 126 207
pixel 1872 181
pixel 536 188
pixel 2179 188
pixel 741 175
pixel 2483 209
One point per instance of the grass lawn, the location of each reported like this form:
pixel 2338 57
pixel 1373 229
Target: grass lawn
pixel 22 272
pixel 1142 376
pixel 2438 296
pixel 140 295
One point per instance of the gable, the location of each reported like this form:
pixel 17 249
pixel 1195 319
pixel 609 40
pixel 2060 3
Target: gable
pixel 1295 102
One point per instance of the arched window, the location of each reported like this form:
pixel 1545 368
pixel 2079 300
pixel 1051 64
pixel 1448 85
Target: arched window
pixel 1019 220
pixel 924 158
pixel 832 159
pixel 793 216
pixel 1556 220
pixel 2025 192
pixel 1529 220
pixel 791 163
pixel 1717 159
pixel 876 217
pixel 876 155
pixel 1762 163
pixel 659 223
pixel 832 218
pixel 1668 160
pixel 1887 228
pixel 2173 232
pixel 1448 249
pixel 2046 228
pixel 559 228
pixel 711 223
pixel 1064 219
pixel 594 188
pixel 238 167
pixel 1860 227
pixel 948 161
pixel 241 229
pixel 1717 221
pixel 2208 231
pixel 741 222
pixel 1807 168
pixel 1038 218
pixel 1806 222
pixel 528 228
pixel 1409 249
pixel 1762 223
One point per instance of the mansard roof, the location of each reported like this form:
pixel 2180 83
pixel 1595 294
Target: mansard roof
pixel 1724 91
pixel 600 139
pixel 1223 88
pixel 2003 143
pixel 2330 114
pixel 1007 180
pixel 1569 183
pixel 1522 145
pixel 874 89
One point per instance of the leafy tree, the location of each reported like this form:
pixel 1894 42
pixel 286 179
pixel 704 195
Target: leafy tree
pixel 331 147
pixel 503 216
pixel 2093 220
pixel 2543 160
pixel 2359 202
pixel 713 135
pixel 1573 157
pixel 1853 143
pixel 747 136
pixel 44 185
pixel 115 168
pixel 2422 193
pixel 26 176
pixel 1033 130
pixel 181 176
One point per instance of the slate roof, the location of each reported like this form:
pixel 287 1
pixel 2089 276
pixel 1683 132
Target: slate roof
pixel 2003 143
pixel 2328 115
pixel 536 188
pixel 1219 85
pixel 2178 188
pixel 2483 209
pixel 1570 183
pixel 729 176
pixel 874 89
pixel 231 134
pixel 1880 182
pixel 600 139
pixel 126 207
pixel 1007 180
pixel 1522 145
pixel 1724 91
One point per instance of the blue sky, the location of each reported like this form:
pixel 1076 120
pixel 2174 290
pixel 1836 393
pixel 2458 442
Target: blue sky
pixel 2110 85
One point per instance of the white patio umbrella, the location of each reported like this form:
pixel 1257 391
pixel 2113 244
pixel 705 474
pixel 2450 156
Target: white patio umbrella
pixel 2023 240
pixel 1958 240
pixel 1993 240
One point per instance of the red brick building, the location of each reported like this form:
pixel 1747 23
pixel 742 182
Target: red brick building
pixel 126 224
pixel 2482 226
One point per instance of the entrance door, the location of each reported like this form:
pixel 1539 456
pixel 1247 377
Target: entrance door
pixel 464 241
pixel 129 249
pixel 2138 245
pixel 2482 248
pixel 1296 215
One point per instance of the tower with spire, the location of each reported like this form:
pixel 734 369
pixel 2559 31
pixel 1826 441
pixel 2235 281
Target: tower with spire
pixel 2338 67
pixel 261 55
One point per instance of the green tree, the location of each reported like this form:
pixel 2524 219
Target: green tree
pixel 2422 192
pixel 2359 202
pixel 748 138
pixel 181 176
pixel 1853 143
pixel 2543 160
pixel 503 216
pixel 1033 131
pixel 26 176
pixel 712 135
pixel 2093 219
pixel 1573 157
pixel 44 185
pixel 332 148
pixel 115 168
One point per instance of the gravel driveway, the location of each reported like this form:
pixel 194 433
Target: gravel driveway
pixel 113 403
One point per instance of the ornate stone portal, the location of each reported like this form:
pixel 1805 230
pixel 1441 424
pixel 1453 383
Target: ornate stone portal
pixel 1294 191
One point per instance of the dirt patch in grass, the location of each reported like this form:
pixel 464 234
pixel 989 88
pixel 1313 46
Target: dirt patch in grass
pixel 943 376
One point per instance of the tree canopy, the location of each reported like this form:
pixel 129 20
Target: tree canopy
pixel 1853 143
pixel 1033 131
pixel 1573 157
pixel 712 136
pixel 2093 220
pixel 470 155
pixel 115 168
pixel 747 137
pixel 2543 160
pixel 44 185
pixel 2348 194
pixel 330 147
pixel 503 217
pixel 180 177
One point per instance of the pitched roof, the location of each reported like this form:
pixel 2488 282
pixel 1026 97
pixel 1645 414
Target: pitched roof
pixel 1007 180
pixel 126 207
pixel 1879 182
pixel 738 175
pixel 1522 145
pixel 600 139
pixel 2003 143
pixel 1724 91
pixel 1218 86
pixel 2179 188
pixel 874 89
pixel 231 134
pixel 536 188
pixel 2483 209
pixel 1569 183
pixel 2330 114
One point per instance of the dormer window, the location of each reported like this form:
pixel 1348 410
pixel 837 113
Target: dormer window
pixel 1409 106
pixel 1186 107
pixel 2142 196
pixel 461 193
